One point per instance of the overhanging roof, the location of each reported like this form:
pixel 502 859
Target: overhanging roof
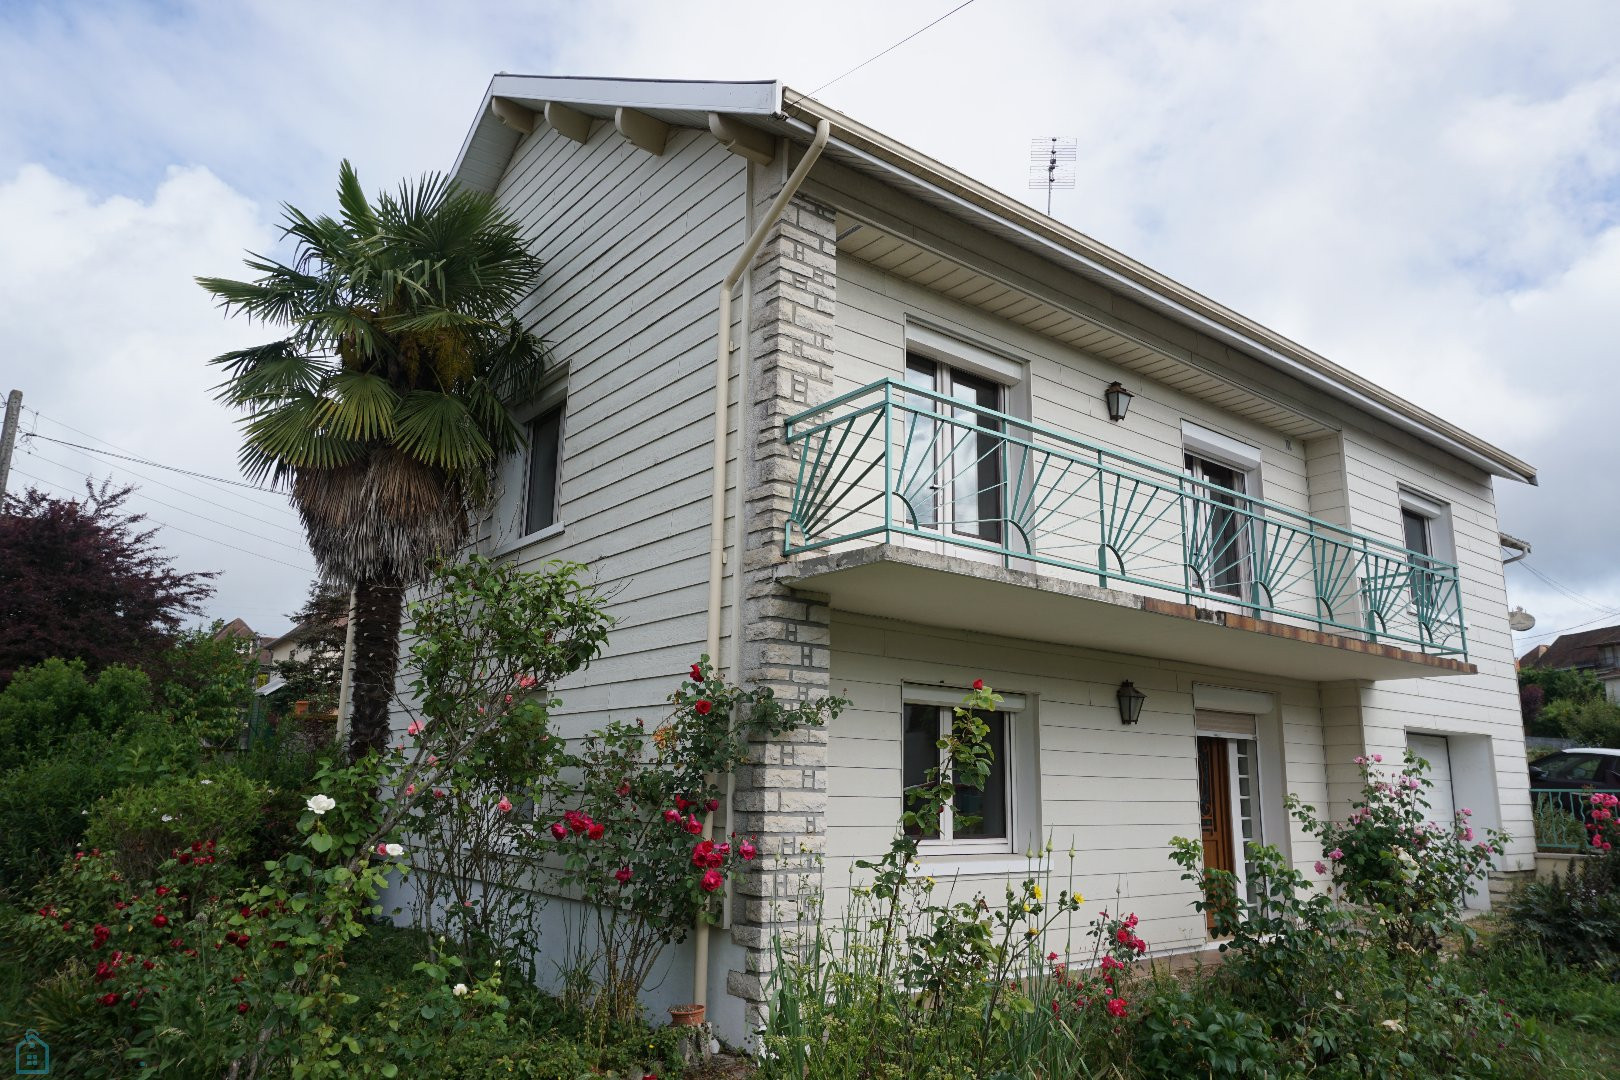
pixel 777 109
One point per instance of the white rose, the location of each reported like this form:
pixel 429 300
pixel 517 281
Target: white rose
pixel 393 850
pixel 460 990
pixel 320 804
pixel 168 817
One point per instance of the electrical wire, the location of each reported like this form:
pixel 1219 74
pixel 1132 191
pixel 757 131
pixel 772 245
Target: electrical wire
pixel 1570 593
pixel 151 464
pixel 208 498
pixel 891 48
pixel 234 546
pixel 182 509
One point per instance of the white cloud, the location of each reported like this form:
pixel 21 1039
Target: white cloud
pixel 1426 191
pixel 97 300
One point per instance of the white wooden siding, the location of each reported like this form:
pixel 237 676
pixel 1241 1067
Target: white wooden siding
pixel 1116 794
pixel 634 246
pixel 1484 704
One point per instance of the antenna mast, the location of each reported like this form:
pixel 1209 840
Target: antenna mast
pixel 1051 165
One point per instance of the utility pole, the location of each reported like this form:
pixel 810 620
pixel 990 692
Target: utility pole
pixel 8 439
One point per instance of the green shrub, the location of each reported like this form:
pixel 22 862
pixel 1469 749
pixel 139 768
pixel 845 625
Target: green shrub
pixel 1180 1035
pixel 204 683
pixel 1589 723
pixel 55 703
pixel 44 805
pixel 143 823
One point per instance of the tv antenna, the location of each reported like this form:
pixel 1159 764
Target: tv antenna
pixel 1051 165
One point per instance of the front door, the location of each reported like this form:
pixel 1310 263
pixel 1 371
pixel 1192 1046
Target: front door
pixel 1215 815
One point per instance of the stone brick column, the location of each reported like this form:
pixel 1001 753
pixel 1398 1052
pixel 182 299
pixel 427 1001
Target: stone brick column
pixel 781 796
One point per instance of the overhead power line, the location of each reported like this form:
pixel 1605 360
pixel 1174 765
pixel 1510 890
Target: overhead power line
pixel 891 48
pixel 233 545
pixel 151 464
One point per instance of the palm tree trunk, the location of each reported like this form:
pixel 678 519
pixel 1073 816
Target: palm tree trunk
pixel 378 609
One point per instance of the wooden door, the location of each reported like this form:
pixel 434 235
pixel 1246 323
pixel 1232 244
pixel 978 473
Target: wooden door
pixel 1215 813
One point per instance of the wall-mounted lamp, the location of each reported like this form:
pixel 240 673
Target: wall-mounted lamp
pixel 1130 703
pixel 1119 401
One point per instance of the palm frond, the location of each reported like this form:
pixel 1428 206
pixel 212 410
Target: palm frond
pixel 357 212
pixel 268 373
pixel 291 433
pixel 437 430
pixel 359 407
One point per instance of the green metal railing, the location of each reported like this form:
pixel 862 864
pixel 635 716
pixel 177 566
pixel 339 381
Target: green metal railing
pixel 891 461
pixel 1561 816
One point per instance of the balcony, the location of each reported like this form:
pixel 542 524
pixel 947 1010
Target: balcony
pixel 914 502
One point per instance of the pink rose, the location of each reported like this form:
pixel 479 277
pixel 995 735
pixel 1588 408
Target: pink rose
pixel 1336 854
pixel 1321 867
pixel 1378 758
pixel 559 831
pixel 746 850
pixel 672 816
pixel 505 805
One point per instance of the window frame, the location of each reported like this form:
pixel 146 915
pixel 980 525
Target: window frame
pixel 560 411
pixel 1016 762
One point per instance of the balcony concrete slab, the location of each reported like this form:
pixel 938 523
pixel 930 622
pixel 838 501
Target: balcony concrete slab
pixel 933 589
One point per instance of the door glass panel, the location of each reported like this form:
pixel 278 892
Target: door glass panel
pixel 918 477
pixel 1222 526
pixel 975 467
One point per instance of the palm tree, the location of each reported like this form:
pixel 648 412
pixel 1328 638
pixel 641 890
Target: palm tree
pixel 383 409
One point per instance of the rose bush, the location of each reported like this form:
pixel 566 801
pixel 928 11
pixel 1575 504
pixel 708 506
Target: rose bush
pixel 629 829
pixel 1392 858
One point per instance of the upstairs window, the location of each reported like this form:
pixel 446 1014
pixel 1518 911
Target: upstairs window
pixel 1221 526
pixel 545 460
pixel 1426 533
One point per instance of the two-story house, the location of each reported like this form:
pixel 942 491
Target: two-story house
pixel 857 424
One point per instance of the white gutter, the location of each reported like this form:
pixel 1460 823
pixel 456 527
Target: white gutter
pixel 717 495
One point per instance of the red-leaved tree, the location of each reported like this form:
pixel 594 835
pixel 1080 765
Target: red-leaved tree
pixel 80 578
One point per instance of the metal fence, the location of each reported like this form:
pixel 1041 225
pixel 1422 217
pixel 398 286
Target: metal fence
pixel 1561 816
pixel 894 463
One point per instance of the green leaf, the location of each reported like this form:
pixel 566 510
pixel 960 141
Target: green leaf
pixel 321 842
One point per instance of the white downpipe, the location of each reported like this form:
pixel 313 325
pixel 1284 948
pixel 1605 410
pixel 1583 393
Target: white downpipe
pixel 717 497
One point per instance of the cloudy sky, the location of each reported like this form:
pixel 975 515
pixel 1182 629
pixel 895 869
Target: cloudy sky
pixel 1427 191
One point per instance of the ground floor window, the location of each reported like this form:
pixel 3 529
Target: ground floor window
pixel 976 820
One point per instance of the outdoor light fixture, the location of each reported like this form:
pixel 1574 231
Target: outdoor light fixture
pixel 1130 703
pixel 1119 401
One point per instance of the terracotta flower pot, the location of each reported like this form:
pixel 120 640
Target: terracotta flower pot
pixel 686 1015
pixel 300 708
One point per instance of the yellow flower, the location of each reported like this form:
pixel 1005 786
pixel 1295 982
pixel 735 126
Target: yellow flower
pixel 930 882
pixel 1036 889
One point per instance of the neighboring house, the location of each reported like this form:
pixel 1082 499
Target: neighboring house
pixel 236 628
pixel 1596 651
pixel 921 484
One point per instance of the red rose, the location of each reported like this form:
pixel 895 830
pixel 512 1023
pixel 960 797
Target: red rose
pixel 712 880
pixel 622 875
pixel 712 805
pixel 672 816
pixel 148 965
pixel 978 684
pixel 242 1008
pixel 681 803
pixel 747 851
pixel 160 920
pixel 595 831
pixel 559 830
pixel 697 672
pixel 162 890
pixel 108 998
pixel 702 706
pixel 694 826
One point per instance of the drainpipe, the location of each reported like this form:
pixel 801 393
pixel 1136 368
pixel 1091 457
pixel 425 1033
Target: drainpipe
pixel 717 497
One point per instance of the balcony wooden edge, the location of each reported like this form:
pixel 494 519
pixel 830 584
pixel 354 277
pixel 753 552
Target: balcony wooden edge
pixel 819 573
